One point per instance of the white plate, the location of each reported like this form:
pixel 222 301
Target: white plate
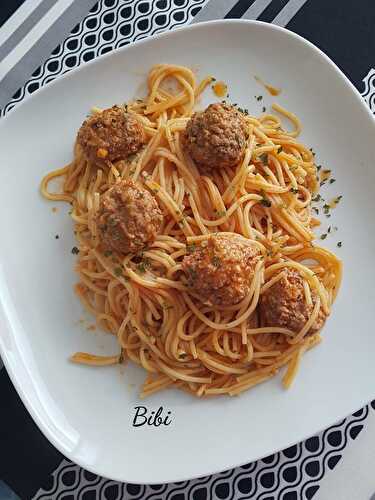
pixel 87 412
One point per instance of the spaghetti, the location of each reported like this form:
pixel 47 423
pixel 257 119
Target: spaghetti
pixel 144 299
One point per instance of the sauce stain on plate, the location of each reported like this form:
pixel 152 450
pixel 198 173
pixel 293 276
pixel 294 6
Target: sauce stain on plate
pixel 270 88
pixel 220 89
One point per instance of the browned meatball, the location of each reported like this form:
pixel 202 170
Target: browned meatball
pixel 284 304
pixel 129 217
pixel 216 137
pixel 220 271
pixel 110 135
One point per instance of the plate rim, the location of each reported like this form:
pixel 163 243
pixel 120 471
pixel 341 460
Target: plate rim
pixel 29 400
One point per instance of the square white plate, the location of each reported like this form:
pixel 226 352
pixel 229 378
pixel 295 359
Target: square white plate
pixel 86 412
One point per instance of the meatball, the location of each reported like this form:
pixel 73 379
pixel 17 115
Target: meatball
pixel 220 271
pixel 216 137
pixel 110 135
pixel 284 304
pixel 128 218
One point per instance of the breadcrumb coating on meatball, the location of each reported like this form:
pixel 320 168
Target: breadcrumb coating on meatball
pixel 129 217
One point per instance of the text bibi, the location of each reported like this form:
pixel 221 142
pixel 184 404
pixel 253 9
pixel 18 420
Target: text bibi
pixel 152 418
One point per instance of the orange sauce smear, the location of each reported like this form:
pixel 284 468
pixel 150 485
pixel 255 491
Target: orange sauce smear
pixel 270 88
pixel 220 89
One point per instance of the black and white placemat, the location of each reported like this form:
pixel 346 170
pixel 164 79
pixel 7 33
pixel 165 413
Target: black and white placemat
pixel 70 34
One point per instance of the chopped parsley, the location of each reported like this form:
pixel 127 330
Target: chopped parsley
pixel 339 244
pixel 264 109
pixel 191 248
pixel 266 202
pixel 121 357
pixel 221 213
pixel 294 190
pixel 280 148
pixel 192 273
pixel 258 97
pixel 318 167
pixel 263 158
pixel 317 198
pixel 117 271
pixel 243 111
pixel 143 265
pixel 75 251
pixel 316 210
pixel 326 208
pixel 57 236
pixel 323 236
pixel 331 181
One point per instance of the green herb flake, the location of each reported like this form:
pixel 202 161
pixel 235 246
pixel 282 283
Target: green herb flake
pixel 221 213
pixel 75 251
pixel 339 244
pixel 294 190
pixel 323 236
pixel 317 198
pixel 192 273
pixel 316 210
pixel 331 181
pixel 117 271
pixel 121 357
pixel 318 167
pixel 264 158
pixel 280 148
pixel 266 202
pixel 191 248
pixel 264 109
pixel 142 266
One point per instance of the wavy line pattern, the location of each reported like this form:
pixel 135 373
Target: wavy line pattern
pixel 295 471
pixel 109 25
pixel 369 93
